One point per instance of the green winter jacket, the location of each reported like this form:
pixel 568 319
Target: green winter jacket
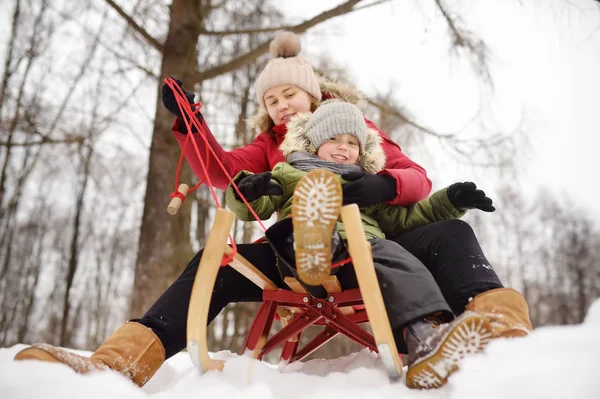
pixel 378 220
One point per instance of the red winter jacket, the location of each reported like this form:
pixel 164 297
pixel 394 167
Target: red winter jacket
pixel 412 183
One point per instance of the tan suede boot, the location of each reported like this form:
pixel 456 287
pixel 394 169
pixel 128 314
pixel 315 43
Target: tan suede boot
pixel 133 350
pixel 505 309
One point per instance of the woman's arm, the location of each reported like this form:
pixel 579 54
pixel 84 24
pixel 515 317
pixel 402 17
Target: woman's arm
pixel 412 183
pixel 394 220
pixel 251 157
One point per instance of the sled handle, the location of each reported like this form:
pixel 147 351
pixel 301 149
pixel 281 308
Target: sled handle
pixel 177 199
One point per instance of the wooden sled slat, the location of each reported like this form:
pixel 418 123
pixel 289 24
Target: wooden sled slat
pixel 248 270
pixel 362 259
pixel 202 290
pixel 295 285
pixel 332 285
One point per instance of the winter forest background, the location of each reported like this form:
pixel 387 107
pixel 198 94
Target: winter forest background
pixel 87 159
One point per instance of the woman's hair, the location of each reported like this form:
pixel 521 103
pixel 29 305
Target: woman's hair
pixel 314 104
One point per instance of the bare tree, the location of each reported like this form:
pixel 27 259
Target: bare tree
pixel 547 249
pixel 164 241
pixel 45 112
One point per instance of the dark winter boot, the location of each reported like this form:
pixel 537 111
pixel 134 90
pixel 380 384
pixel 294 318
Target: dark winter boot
pixel 133 350
pixel 435 350
pixel 506 310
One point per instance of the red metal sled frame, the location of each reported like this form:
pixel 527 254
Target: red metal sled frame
pixel 314 311
pixel 341 312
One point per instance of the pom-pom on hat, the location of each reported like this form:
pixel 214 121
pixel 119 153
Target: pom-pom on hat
pixel 287 68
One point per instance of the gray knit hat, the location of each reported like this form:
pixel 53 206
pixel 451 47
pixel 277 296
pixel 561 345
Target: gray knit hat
pixel 287 68
pixel 335 117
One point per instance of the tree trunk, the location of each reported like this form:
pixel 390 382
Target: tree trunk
pixel 74 250
pixel 164 247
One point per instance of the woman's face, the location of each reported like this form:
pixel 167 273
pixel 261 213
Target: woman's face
pixel 285 101
pixel 343 148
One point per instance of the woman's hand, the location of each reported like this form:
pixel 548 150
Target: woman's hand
pixel 467 196
pixel 170 103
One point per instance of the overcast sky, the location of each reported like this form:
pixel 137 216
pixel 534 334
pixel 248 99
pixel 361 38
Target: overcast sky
pixel 545 57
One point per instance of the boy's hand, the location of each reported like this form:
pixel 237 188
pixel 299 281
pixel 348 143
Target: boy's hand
pixel 365 189
pixel 467 196
pixel 170 103
pixel 255 186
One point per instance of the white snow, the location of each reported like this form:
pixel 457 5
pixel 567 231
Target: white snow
pixel 553 362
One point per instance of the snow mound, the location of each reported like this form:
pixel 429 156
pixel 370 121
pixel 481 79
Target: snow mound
pixel 593 315
pixel 551 363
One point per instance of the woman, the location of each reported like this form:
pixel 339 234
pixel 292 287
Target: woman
pixel 287 86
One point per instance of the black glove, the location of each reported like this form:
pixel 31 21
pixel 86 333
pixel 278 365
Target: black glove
pixel 367 189
pixel 255 186
pixel 170 103
pixel 467 196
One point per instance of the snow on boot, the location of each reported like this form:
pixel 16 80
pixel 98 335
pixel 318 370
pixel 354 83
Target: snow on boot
pixel 505 309
pixel 435 350
pixel 132 350
pixel 316 207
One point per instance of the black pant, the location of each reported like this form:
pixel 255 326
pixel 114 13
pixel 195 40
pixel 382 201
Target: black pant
pixel 408 289
pixel 452 254
pixel 448 249
pixel 168 316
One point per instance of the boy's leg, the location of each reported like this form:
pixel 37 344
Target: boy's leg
pixel 451 252
pixel 418 311
pixel 408 289
pixel 168 316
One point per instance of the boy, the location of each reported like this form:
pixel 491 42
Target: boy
pixel 336 138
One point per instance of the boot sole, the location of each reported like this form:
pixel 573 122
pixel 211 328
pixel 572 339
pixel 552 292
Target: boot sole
pixel 470 335
pixel 316 207
pixel 52 354
pixel 34 353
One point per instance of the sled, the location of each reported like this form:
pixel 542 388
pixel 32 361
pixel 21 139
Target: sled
pixel 341 312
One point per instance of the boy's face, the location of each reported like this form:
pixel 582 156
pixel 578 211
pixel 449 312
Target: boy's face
pixel 343 148
pixel 285 101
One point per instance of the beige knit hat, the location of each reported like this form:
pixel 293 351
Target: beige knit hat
pixel 287 68
pixel 335 117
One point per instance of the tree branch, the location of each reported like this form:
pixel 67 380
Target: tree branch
pixel 244 31
pixel 464 39
pixel 278 28
pixel 263 48
pixel 398 114
pixel 45 140
pixel 151 40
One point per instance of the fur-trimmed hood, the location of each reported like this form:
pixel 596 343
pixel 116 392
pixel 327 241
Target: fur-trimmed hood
pixel 371 158
pixel 262 122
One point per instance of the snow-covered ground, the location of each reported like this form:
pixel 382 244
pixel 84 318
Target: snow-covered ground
pixel 553 362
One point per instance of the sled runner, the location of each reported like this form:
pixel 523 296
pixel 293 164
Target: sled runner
pixel 340 313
